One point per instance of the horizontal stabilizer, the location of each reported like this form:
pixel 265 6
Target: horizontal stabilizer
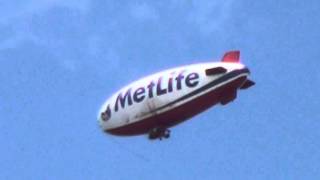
pixel 215 71
pixel 247 84
pixel 231 56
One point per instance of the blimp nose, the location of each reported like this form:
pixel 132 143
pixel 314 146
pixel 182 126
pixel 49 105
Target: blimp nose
pixel 104 115
pixel 105 124
pixel 100 120
pixel 103 120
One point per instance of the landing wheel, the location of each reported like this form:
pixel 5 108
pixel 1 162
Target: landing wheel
pixel 159 133
pixel 166 134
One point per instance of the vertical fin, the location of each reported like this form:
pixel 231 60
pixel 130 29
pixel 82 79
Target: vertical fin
pixel 231 56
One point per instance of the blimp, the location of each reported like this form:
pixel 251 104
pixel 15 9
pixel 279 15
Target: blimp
pixel 154 104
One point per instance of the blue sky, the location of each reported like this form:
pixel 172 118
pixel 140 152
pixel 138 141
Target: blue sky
pixel 60 59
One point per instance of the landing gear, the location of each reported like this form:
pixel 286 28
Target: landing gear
pixel 159 133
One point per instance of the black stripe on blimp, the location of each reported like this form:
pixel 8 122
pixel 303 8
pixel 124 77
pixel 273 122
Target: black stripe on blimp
pixel 224 78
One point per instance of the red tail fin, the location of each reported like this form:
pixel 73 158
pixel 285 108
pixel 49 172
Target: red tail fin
pixel 231 56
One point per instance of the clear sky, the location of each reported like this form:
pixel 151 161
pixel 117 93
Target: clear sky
pixel 60 59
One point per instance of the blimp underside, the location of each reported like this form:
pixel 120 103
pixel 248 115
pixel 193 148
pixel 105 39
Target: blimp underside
pixel 175 96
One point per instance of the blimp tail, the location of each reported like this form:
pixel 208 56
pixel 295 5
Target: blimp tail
pixel 234 57
pixel 231 57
